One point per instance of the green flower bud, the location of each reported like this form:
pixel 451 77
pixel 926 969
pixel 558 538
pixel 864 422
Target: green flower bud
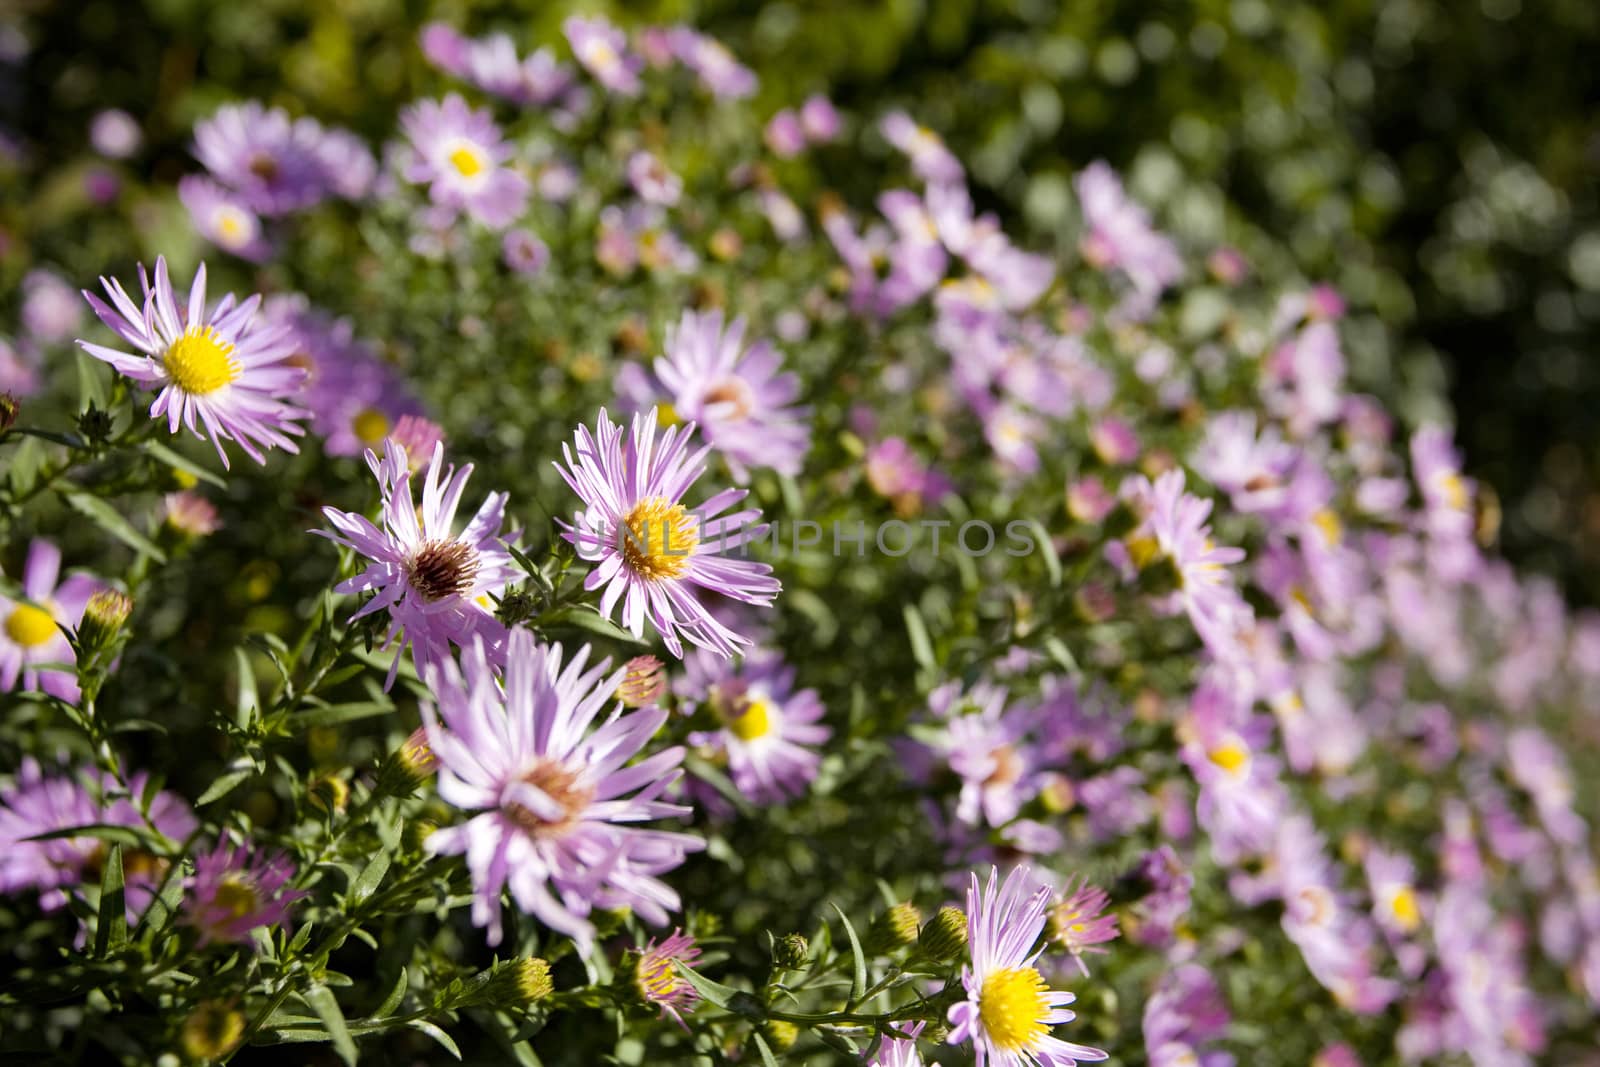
pixel 8 411
pixel 407 766
pixel 944 937
pixel 211 1031
pixel 515 983
pixel 790 952
pixel 328 793
pixel 781 1035
pixel 103 618
pixel 894 929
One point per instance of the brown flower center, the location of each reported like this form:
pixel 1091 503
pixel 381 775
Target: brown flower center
pixel 735 392
pixel 264 167
pixel 442 568
pixel 562 784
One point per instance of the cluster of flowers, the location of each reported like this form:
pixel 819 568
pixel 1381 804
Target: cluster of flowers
pixel 1270 616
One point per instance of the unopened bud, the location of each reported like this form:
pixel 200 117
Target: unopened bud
pixel 190 514
pixel 418 831
pixel 95 425
pixel 944 937
pixel 517 607
pixel 103 618
pixel 407 766
pixel 417 436
pixel 1094 602
pixel 8 411
pixel 781 1035
pixel 725 244
pixel 894 929
pixel 328 793
pixel 507 984
pixel 790 952
pixel 211 1031
pixel 644 679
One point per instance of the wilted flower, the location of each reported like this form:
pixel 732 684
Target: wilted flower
pixel 223 367
pixel 1010 1009
pixel 433 582
pixel 552 796
pixel 648 545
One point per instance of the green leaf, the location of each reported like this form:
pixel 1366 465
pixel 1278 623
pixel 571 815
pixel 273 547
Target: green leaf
pixel 396 995
pixel 249 700
pixel 121 835
pixel 71 440
pixel 333 714
pixel 586 618
pixel 437 1034
pixel 858 974
pixel 921 645
pixel 1046 548
pixel 161 452
pixel 715 992
pixel 326 1005
pixel 761 1047
pixel 111 521
pixel 112 929
pixel 369 878
pixel 224 785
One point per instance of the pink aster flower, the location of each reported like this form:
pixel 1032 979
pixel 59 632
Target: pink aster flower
pixel 1080 923
pixel 770 731
pixel 652 553
pixel 658 980
pixel 30 629
pixel 603 51
pixel 719 72
pixel 436 584
pixel 222 367
pixel 1010 1008
pixel 554 798
pixel 223 218
pixel 734 393
pixel 930 159
pixel 280 165
pixel 236 889
pixel 1121 236
pixel 190 514
pixel 37 803
pixel 900 1051
pixel 460 153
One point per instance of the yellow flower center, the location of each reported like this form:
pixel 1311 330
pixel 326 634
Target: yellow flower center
pixel 1231 756
pixel 236 897
pixel 600 55
pixel 1012 1005
pixel 29 626
pixel 750 720
pixel 371 426
pixel 660 539
pixel 1143 551
pixel 200 362
pixel 231 227
pixel 467 160
pixel 566 786
pixel 1403 906
pixel 1327 522
pixel 1454 490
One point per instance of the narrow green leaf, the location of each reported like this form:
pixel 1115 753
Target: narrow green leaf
pixel 586 618
pixel 761 1047
pixel 224 785
pixel 121 835
pixel 396 995
pixel 369 878
pixel 111 521
pixel 437 1034
pixel 858 974
pixel 715 992
pixel 326 1005
pixel 248 702
pixel 71 440
pixel 1046 548
pixel 921 645
pixel 112 929
pixel 333 714
pixel 172 459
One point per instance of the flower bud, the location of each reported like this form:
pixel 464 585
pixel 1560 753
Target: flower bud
pixel 644 679
pixel 517 607
pixel 944 937
pixel 781 1035
pixel 894 929
pixel 8 411
pixel 103 618
pixel 190 514
pixel 328 793
pixel 790 952
pixel 514 983
pixel 211 1031
pixel 407 766
pixel 418 831
pixel 94 424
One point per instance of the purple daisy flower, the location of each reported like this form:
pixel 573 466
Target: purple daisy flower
pixel 930 159
pixel 652 179
pixel 224 367
pixel 652 548
pixel 769 731
pixel 460 152
pixel 1010 1008
pixel 900 1051
pixel 603 51
pixel 737 396
pixel 719 72
pixel 277 164
pixel 236 889
pixel 30 629
pixel 658 980
pixel 1120 235
pixel 223 218
pixel 355 398
pixel 553 798
pixel 1080 923
pixel 524 252
pixel 36 803
pixel 436 584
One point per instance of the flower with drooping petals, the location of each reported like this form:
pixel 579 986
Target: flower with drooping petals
pixel 554 797
pixel 235 889
pixel 460 153
pixel 1009 1008
pixel 652 553
pixel 434 583
pixel 223 368
pixel 30 629
pixel 657 978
